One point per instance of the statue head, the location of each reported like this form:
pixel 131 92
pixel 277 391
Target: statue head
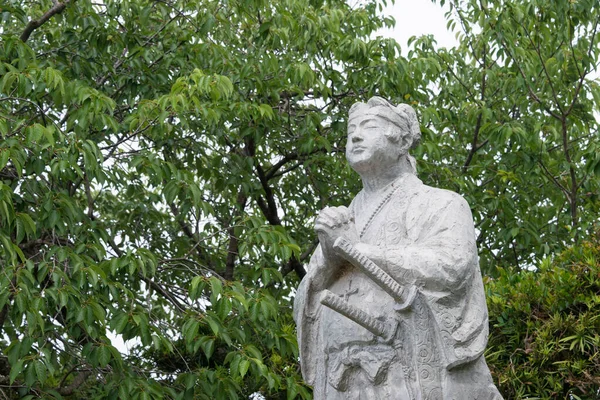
pixel 380 133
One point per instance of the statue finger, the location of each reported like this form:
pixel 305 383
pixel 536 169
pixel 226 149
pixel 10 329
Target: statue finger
pixel 343 210
pixel 343 213
pixel 331 220
pixel 327 211
pixel 325 219
pixel 340 215
pixel 323 228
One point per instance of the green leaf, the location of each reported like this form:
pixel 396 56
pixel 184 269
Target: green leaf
pixel 208 346
pixel 3 158
pixel 40 371
pixel 119 322
pixel 243 368
pixel 195 147
pixel 191 330
pixel 104 355
pixel 196 286
pixel 15 371
pixel 214 325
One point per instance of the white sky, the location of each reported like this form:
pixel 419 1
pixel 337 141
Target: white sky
pixel 416 18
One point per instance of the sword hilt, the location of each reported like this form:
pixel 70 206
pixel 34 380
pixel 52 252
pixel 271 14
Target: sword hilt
pixel 347 251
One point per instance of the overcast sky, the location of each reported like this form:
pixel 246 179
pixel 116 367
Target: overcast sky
pixel 416 18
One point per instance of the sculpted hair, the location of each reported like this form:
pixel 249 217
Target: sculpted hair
pixel 410 124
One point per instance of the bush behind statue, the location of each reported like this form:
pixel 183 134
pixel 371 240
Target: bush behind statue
pixel 544 327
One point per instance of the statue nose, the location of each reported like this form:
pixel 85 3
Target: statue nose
pixel 356 138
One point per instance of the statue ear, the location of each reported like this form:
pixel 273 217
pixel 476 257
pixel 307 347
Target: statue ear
pixel 413 130
pixel 405 141
pixel 393 133
pixel 399 139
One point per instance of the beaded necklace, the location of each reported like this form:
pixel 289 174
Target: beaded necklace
pixel 382 203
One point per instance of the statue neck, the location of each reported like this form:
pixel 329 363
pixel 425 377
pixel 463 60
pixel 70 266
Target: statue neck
pixel 376 180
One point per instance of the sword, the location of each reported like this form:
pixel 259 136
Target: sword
pixel 345 249
pixel 373 325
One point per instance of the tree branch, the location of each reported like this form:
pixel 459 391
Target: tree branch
pixel 180 307
pixel 555 181
pixel 77 381
pixel 296 265
pixel 36 23
pixel 273 171
pixel 529 88
pixel 572 197
pixel 164 293
pixel 267 205
pixel 125 56
pixel 185 227
pixel 585 72
pixel 287 158
pixel 474 145
pixel 232 249
pixel 543 63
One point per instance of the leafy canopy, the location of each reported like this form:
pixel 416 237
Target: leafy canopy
pixel 161 163
pixel 512 123
pixel 544 339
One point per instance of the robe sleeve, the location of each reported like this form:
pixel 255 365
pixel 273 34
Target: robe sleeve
pixel 307 314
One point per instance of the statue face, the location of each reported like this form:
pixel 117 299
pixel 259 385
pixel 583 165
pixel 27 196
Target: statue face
pixel 368 146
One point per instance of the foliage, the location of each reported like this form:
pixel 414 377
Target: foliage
pixel 511 124
pixel 161 163
pixel 545 336
pixel 160 166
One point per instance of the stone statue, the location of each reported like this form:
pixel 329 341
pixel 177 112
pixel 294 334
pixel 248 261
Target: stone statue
pixel 393 305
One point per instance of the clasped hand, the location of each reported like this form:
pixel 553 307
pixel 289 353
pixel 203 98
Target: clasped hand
pixel 332 223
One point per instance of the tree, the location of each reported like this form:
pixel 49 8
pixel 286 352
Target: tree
pixel 511 123
pixel 161 163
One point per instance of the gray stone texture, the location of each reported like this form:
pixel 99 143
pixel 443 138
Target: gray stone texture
pixel 393 305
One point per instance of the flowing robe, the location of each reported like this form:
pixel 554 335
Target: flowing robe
pixel 424 238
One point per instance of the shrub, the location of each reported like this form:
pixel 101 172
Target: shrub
pixel 544 327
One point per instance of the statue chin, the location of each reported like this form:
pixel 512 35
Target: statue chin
pixel 360 165
pixel 371 164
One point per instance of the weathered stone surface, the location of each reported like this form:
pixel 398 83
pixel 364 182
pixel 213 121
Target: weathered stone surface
pixel 393 305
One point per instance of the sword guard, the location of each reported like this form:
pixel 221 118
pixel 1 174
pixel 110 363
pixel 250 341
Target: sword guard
pixel 410 297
